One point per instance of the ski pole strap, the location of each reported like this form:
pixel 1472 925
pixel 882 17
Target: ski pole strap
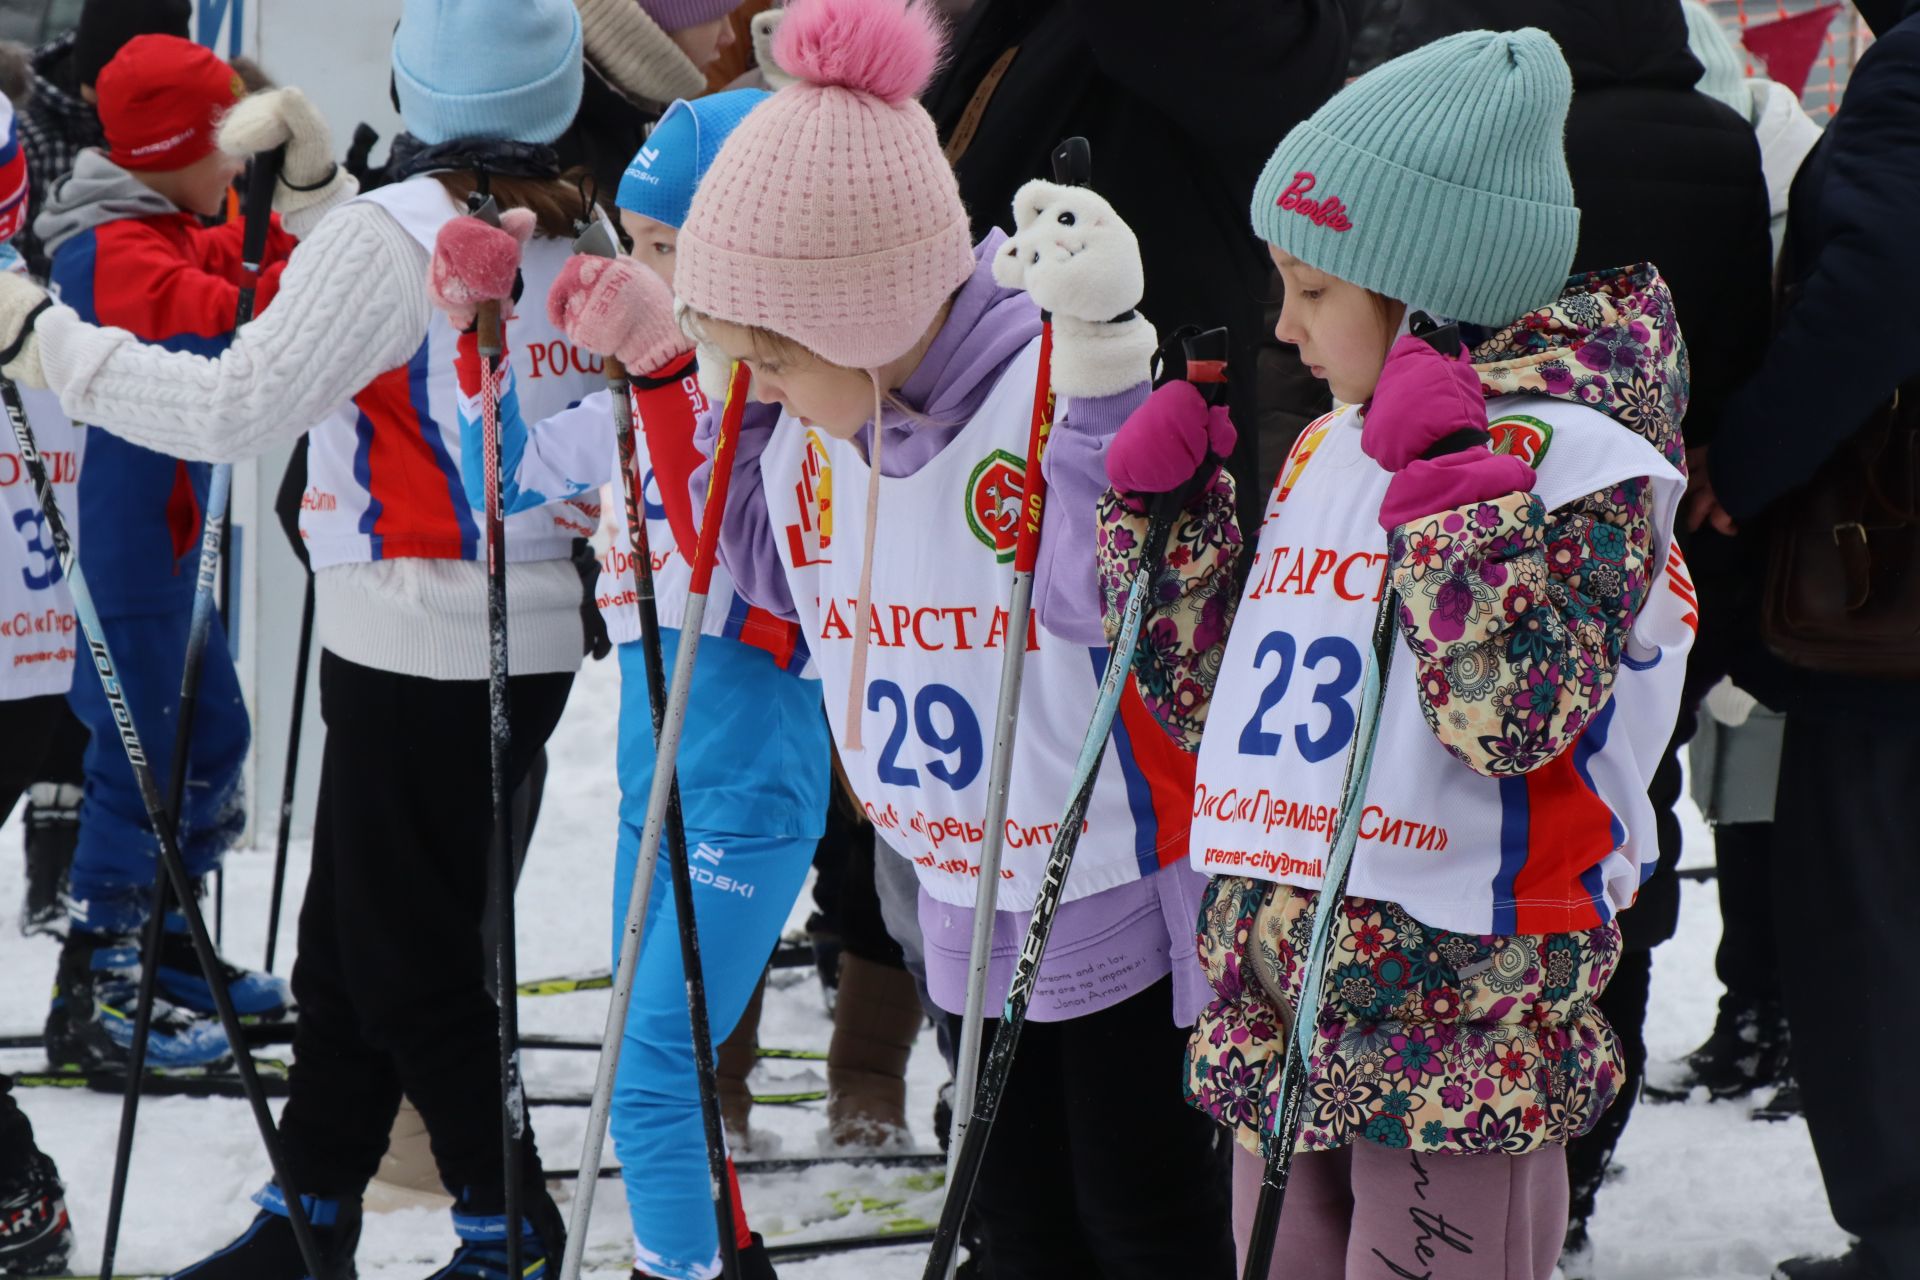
pixel 720 480
pixel 257 212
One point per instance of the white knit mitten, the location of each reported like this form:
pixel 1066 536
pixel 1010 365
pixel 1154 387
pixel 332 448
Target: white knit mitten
pixel 311 183
pixel 21 302
pixel 1075 257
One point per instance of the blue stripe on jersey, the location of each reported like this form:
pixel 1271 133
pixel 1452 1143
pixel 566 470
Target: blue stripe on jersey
pixel 1514 824
pixel 363 476
pixel 736 617
pixel 1146 825
pixel 1591 743
pixel 436 443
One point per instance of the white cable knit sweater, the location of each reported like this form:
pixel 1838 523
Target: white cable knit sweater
pixel 352 305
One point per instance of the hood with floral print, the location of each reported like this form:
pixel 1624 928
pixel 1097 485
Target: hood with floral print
pixel 1609 342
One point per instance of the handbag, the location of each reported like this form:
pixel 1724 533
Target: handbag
pixel 1843 572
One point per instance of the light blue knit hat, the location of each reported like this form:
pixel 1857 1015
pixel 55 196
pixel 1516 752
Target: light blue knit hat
pixel 1439 178
pixel 1723 71
pixel 506 69
pixel 659 183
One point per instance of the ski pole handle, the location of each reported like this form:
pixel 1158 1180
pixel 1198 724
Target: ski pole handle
pixel 721 479
pixel 1073 162
pixel 256 210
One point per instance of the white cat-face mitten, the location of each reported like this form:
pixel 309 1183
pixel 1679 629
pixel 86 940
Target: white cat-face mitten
pixel 1075 257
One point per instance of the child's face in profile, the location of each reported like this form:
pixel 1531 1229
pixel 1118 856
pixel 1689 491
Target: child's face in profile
pixel 653 243
pixel 1343 332
pixel 836 399
pixel 202 186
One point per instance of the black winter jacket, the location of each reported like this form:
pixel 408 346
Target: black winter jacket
pixel 1182 105
pixel 1851 335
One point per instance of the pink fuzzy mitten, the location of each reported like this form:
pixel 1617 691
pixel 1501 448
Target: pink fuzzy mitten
pixel 1166 439
pixel 1422 398
pixel 616 307
pixel 475 263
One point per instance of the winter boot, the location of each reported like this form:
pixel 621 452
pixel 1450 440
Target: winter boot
pixel 1854 1264
pixel 482 1254
pixel 1747 1050
pixel 734 1062
pixel 53 829
pixel 267 1250
pixel 257 997
pixel 35 1235
pixel 95 994
pixel 875 1022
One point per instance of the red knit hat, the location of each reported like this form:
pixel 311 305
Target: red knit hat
pixel 161 99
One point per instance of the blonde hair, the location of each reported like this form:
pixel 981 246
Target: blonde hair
pixel 771 346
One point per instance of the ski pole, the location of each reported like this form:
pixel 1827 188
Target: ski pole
pixel 257 212
pixel 1205 364
pixel 599 242
pixel 500 877
pixel 1071 165
pixel 1353 790
pixel 290 774
pixel 665 757
pixel 170 858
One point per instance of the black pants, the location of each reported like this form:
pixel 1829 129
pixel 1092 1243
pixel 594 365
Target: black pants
pixel 1097 1166
pixel 41 740
pixel 1846 876
pixel 391 973
pixel 1748 961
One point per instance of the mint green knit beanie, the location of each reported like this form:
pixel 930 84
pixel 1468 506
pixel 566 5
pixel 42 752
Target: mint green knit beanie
pixel 1439 179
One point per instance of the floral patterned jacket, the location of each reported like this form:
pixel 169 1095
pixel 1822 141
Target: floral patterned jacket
pixel 1428 1039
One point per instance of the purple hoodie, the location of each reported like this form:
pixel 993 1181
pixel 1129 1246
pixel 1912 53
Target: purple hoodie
pixel 1139 929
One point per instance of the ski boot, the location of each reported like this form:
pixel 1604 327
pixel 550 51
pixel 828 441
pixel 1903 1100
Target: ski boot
pixel 482 1254
pixel 90 1026
pixel 35 1235
pixel 266 1250
pixel 53 829
pixel 1747 1050
pixel 259 998
pixel 1854 1264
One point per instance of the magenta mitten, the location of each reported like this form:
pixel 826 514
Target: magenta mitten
pixel 1166 439
pixel 1422 398
pixel 475 263
pixel 1428 486
pixel 616 307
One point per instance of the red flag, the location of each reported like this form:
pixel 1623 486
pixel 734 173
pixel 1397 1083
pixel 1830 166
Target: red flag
pixel 1790 46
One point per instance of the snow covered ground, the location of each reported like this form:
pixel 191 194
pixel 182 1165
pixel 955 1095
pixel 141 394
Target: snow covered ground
pixel 1703 1191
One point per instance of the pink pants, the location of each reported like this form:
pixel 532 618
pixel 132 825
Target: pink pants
pixel 1373 1212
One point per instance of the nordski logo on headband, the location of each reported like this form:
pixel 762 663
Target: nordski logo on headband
pixel 1327 212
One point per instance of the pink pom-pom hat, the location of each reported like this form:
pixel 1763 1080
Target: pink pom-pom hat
pixel 830 216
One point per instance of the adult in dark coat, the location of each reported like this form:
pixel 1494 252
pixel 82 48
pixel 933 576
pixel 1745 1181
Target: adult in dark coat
pixel 1182 105
pixel 1665 174
pixel 1846 874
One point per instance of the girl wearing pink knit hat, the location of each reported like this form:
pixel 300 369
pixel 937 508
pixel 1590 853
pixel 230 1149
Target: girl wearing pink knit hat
pixel 894 366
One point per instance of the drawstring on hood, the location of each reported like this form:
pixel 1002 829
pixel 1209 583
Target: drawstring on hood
pixel 857 682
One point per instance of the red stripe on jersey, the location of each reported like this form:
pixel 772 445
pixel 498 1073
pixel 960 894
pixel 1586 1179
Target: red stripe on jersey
pixel 417 517
pixel 1569 830
pixel 1169 772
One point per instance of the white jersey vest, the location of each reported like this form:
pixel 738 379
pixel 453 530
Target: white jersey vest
pixel 39 638
pixel 728 613
pixel 942 571
pixel 1558 849
pixel 384 470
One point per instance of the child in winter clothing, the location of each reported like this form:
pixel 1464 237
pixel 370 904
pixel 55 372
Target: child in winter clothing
pixel 130 250
pixel 752 770
pixel 390 973
pixel 827 248
pixel 1546 622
